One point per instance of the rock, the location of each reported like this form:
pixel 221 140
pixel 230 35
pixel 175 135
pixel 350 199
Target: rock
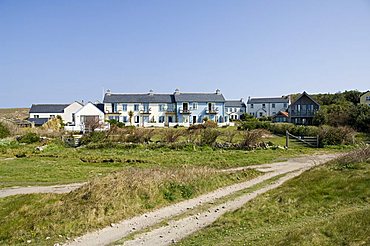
pixel 60 235
pixel 112 224
pixel 47 238
pixel 29 241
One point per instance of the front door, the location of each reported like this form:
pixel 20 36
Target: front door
pixel 194 119
pixel 169 119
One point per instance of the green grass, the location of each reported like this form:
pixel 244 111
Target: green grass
pixel 329 205
pixel 103 201
pixel 59 165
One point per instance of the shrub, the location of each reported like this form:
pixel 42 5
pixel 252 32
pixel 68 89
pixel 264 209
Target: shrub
pixel 252 137
pixel 171 135
pixel 336 135
pixel 351 159
pixel 139 135
pixel 29 138
pixel 93 137
pixel 209 136
pixel 4 131
pixel 229 134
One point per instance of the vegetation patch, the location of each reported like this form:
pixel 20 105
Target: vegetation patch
pixel 103 201
pixel 324 206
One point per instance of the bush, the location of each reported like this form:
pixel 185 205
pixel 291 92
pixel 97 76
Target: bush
pixel 93 137
pixel 29 138
pixel 139 135
pixel 252 137
pixel 4 131
pixel 336 135
pixel 171 135
pixel 209 136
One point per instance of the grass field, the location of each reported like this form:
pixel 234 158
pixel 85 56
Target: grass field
pixel 104 201
pixel 329 205
pixel 59 165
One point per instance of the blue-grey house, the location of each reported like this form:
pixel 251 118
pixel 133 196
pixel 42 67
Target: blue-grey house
pixel 196 107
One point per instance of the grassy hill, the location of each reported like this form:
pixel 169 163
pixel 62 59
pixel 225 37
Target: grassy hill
pixel 14 113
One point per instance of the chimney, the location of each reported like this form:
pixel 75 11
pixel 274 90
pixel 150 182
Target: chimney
pixel 218 92
pixel 151 93
pixel 242 99
pixel 177 92
pixel 108 92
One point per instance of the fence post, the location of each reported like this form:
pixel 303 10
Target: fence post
pixel 287 139
pixel 317 141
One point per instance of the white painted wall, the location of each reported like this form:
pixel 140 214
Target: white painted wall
pixel 154 112
pixel 259 111
pixel 68 111
pixel 88 110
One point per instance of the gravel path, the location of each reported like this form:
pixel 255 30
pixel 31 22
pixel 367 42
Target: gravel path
pixel 179 229
pixel 39 189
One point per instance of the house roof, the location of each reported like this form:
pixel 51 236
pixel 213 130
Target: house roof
pixel 199 97
pixel 48 108
pixel 305 94
pixel 163 98
pixel 281 113
pixel 38 121
pixel 234 103
pixel 138 98
pixel 364 93
pixel 268 100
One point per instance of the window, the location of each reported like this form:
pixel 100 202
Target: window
pixel 73 117
pixel 285 105
pixel 273 113
pixel 161 107
pixel 195 105
pixel 36 116
pixel 114 107
pixel 110 117
pixel 52 116
pixel 252 106
pixel 368 98
pixel 124 118
pixel 136 108
pixel 161 119
pixel 273 105
pixel 261 114
pixel 137 118
pixel 124 107
pixel 263 105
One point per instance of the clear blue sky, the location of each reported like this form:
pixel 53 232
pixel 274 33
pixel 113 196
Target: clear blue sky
pixel 61 51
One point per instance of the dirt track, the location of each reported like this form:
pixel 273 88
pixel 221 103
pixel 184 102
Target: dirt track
pixel 176 230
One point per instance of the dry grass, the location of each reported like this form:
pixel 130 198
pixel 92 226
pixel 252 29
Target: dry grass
pixel 103 201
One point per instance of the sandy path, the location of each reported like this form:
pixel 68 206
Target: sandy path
pixel 111 234
pixel 39 189
pixel 177 230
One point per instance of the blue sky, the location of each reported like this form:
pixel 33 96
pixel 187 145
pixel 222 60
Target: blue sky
pixel 61 51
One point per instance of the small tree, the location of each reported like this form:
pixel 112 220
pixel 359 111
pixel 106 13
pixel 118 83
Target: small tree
pixel 130 115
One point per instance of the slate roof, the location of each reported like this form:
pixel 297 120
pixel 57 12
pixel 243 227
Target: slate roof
pixel 38 121
pixel 305 94
pixel 163 98
pixel 48 108
pixel 234 103
pixel 138 98
pixel 199 97
pixel 268 100
pixel 100 106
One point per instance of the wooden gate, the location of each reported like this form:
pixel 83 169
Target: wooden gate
pixel 311 141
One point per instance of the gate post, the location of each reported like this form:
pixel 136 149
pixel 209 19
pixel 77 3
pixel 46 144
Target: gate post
pixel 287 139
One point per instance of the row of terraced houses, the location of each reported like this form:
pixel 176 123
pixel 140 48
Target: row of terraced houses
pixel 173 109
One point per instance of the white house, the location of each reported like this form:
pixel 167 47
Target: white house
pixel 265 107
pixel 235 109
pixel 41 113
pixel 87 118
